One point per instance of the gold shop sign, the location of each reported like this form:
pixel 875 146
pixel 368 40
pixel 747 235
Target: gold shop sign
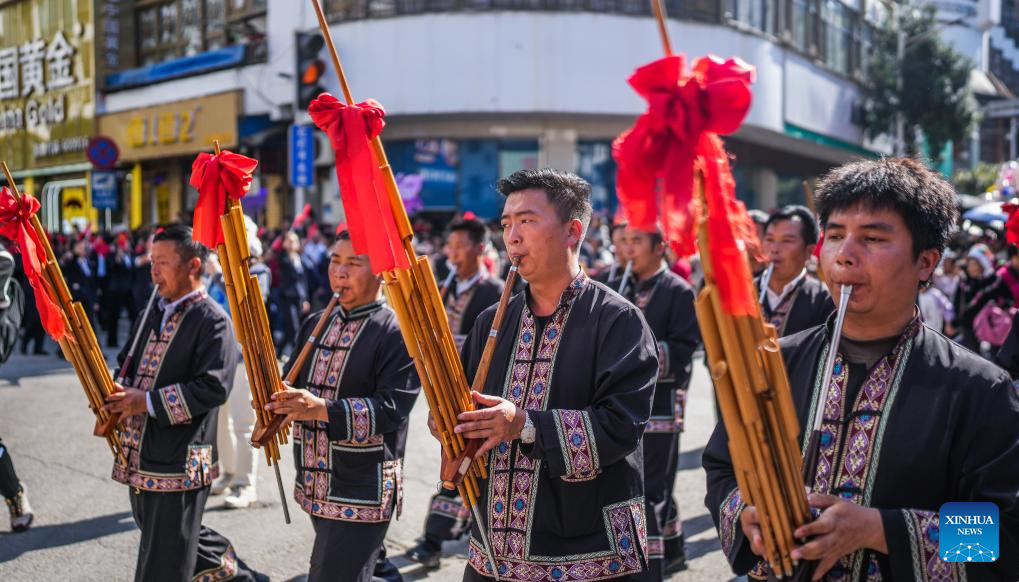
pixel 177 128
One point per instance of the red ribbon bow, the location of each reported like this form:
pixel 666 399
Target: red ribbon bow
pixel 217 177
pixel 685 113
pixel 369 213
pixel 1011 208
pixel 15 224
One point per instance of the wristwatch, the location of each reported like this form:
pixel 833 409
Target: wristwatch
pixel 527 433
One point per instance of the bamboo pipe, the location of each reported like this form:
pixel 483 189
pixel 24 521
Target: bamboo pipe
pixel 236 279
pixel 302 357
pixel 81 344
pixel 400 218
pixel 766 501
pixel 663 30
pixel 739 446
pixel 456 470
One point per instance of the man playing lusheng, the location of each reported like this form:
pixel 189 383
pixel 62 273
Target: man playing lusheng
pixel 357 392
pixel 911 419
pixel 567 399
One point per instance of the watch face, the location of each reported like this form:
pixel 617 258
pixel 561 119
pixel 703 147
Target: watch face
pixel 527 434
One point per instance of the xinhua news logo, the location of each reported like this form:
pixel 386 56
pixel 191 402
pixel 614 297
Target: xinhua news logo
pixel 968 532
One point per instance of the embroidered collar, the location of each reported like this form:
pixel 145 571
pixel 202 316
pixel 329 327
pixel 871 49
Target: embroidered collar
pixel 909 332
pixel 462 286
pixel 569 293
pixel 171 307
pixel 360 311
pixel 775 298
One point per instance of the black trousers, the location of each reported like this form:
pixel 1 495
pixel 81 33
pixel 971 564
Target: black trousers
pixel 661 461
pixel 443 522
pixel 346 551
pixel 291 312
pixel 10 486
pixel 175 546
pixel 115 302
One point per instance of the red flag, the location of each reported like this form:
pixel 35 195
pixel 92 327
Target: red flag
pixel 1011 208
pixel 351 128
pixel 217 177
pixel 15 224
pixel 686 111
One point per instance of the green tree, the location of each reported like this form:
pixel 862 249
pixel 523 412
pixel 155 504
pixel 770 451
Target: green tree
pixel 977 180
pixel 935 96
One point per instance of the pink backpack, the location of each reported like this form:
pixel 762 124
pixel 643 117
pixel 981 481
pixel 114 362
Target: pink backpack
pixel 993 324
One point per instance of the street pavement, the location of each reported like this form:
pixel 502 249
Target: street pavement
pixel 83 528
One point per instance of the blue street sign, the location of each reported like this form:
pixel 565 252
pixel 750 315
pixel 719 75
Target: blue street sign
pixel 105 194
pixel 302 156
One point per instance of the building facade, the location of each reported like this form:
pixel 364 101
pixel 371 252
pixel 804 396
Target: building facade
pixel 474 90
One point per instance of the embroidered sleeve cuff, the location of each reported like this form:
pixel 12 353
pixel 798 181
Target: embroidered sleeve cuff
pixel 170 405
pixel 565 440
pixel 663 360
pixel 351 419
pixel 728 521
pixel 912 537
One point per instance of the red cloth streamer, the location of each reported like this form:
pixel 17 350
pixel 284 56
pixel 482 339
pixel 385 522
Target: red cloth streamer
pixel 15 224
pixel 351 128
pixel 217 177
pixel 686 111
pixel 1011 208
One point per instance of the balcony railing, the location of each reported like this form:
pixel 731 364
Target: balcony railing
pixel 346 10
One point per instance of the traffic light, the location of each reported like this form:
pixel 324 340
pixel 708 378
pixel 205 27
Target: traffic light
pixel 310 68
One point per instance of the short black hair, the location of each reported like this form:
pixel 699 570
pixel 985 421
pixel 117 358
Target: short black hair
pixel 342 235
pixel 474 228
pixel 621 225
pixel 187 247
pixel 808 224
pixel 924 200
pixel 568 192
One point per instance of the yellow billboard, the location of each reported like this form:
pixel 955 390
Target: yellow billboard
pixel 174 129
pixel 47 86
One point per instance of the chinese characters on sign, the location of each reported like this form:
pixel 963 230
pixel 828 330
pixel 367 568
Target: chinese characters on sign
pixel 22 75
pixel 47 82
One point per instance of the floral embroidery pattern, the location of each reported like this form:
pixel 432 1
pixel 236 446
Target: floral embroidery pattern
pixel 576 439
pixel 923 541
pixel 625 527
pixel 133 433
